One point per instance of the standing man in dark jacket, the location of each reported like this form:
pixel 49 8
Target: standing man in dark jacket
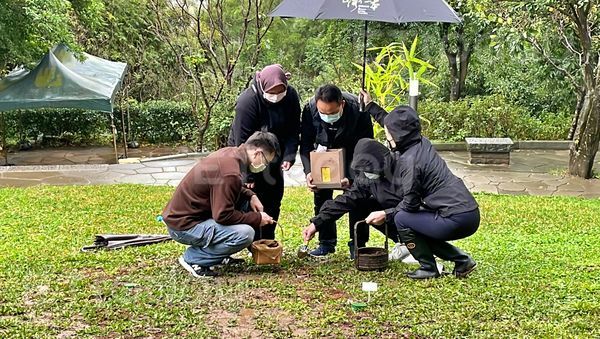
pixel 203 212
pixel 269 104
pixel 437 206
pixel 332 120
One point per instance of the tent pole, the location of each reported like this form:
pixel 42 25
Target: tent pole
pixel 4 149
pixel 114 133
pixel 123 129
pixel 364 70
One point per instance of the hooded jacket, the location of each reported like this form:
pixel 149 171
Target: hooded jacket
pixel 344 133
pixel 369 156
pixel 426 179
pixel 254 113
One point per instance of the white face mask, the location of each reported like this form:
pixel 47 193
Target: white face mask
pixel 372 176
pixel 274 98
pixel 331 118
pixel 258 168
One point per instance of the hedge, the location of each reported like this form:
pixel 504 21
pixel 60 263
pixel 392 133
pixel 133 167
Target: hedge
pixel 171 122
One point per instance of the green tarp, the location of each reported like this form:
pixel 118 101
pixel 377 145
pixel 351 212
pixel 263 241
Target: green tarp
pixel 61 80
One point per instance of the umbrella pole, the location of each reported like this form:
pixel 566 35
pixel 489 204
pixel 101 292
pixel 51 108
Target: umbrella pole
pixel 114 133
pixel 364 70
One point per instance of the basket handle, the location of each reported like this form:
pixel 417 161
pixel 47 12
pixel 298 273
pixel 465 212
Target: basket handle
pixel 276 224
pixel 356 238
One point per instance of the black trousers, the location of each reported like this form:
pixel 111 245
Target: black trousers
pixel 328 235
pixel 268 186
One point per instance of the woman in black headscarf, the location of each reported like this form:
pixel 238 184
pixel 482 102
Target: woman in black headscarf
pixel 269 104
pixel 436 206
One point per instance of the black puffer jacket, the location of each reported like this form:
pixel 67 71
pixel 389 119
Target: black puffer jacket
pixel 426 179
pixel 345 133
pixel 369 156
pixel 254 113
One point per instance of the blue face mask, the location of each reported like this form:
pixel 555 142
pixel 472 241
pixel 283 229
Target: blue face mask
pixel 331 118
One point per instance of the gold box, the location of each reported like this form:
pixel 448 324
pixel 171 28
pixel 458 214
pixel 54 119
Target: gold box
pixel 327 168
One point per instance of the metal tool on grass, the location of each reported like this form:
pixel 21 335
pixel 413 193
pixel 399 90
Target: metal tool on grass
pixel 303 250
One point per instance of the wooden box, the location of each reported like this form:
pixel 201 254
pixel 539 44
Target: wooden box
pixel 327 168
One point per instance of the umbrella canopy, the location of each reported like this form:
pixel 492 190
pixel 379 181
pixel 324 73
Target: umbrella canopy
pixel 394 11
pixel 60 80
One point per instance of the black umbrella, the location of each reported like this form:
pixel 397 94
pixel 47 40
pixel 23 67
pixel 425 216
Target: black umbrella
pixel 395 11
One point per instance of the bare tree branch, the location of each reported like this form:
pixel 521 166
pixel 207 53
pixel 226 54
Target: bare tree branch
pixel 572 79
pixel 565 41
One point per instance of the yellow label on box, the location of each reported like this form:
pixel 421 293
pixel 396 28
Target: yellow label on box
pixel 326 174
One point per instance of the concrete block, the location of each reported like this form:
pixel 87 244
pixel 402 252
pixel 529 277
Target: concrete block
pixel 489 145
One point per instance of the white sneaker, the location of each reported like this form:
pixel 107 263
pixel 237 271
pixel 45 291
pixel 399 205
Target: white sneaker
pixel 197 270
pixel 440 267
pixel 399 252
pixel 410 260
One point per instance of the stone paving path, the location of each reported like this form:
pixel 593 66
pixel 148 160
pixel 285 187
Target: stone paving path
pixel 530 173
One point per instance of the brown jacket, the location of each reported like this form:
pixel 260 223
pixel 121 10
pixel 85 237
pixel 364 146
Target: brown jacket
pixel 211 190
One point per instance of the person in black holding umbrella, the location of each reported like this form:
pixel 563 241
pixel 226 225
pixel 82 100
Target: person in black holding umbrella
pixel 332 120
pixel 437 206
pixel 269 104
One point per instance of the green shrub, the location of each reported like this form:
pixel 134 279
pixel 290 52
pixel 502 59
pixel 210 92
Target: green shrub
pixel 152 122
pixel 60 126
pixel 160 121
pixel 172 122
pixel 489 116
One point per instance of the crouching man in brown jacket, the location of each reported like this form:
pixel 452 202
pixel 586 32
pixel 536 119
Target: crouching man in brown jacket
pixel 205 211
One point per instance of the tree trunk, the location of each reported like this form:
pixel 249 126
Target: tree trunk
pixel 465 58
pixel 574 123
pixel 452 63
pixel 587 137
pixel 454 79
pixel 458 60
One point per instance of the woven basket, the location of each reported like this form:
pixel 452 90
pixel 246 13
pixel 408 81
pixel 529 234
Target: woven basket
pixel 266 252
pixel 370 258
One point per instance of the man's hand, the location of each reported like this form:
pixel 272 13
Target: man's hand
pixel 366 97
pixel 249 185
pixel 256 205
pixel 376 218
pixel 266 219
pixel 345 183
pixel 286 165
pixel 309 232
pixel 309 183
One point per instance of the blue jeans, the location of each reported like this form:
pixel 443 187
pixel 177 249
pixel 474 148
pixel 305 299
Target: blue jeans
pixel 211 242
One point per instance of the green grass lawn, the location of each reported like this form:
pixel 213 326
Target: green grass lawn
pixel 538 275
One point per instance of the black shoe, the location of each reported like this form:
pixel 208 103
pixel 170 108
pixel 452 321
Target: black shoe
pixel 423 274
pixel 418 247
pixel 463 269
pixel 322 251
pixel 463 263
pixel 197 270
pixel 229 261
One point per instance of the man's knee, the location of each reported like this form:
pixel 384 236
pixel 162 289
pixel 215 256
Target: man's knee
pixel 245 235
